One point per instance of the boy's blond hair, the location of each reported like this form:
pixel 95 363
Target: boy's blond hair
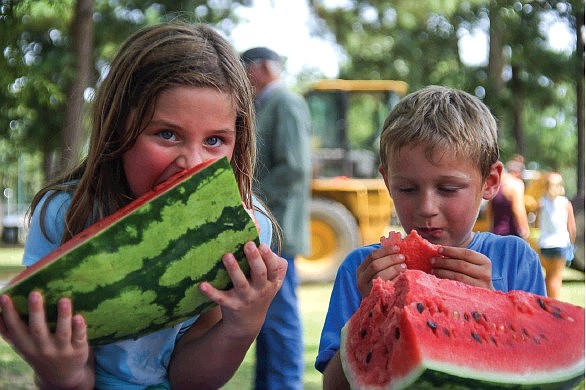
pixel 443 120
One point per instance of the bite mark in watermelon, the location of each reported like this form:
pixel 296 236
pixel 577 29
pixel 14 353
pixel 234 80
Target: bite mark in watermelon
pixel 138 270
pixel 417 250
pixel 422 332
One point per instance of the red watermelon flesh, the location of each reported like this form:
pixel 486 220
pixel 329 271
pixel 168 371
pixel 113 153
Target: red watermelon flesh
pixel 417 250
pixel 419 331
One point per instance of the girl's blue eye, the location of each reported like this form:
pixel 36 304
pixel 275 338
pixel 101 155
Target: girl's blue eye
pixel 166 134
pixel 213 141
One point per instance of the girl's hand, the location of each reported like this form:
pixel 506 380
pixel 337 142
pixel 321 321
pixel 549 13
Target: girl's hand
pixel 463 265
pixel 61 359
pixel 385 263
pixel 244 307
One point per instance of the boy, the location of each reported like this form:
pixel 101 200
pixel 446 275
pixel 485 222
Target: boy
pixel 439 159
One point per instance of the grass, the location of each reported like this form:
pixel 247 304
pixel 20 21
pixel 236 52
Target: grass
pixel 314 299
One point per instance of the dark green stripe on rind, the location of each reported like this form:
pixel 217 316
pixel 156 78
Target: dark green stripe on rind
pixel 431 379
pixel 141 274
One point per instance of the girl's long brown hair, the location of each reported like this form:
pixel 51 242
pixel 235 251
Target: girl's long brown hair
pixel 150 61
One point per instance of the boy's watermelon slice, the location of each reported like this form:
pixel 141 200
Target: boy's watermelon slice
pixel 138 270
pixel 422 332
pixel 417 250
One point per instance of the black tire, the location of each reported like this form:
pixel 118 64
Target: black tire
pixel 578 262
pixel 334 233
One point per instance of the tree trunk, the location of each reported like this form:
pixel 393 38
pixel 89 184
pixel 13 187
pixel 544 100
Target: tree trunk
pixel 517 109
pixel 72 134
pixel 496 59
pixel 580 100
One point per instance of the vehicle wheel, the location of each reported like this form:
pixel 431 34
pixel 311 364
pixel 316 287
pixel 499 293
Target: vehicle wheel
pixel 334 233
pixel 578 262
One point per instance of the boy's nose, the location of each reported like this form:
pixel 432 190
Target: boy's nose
pixel 427 205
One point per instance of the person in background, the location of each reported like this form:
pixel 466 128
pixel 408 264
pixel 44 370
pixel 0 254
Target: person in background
pixel 176 95
pixel 557 228
pixel 509 215
pixel 282 181
pixel 439 160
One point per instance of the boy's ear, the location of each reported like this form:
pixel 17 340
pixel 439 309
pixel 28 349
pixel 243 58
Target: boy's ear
pixel 493 181
pixel 384 175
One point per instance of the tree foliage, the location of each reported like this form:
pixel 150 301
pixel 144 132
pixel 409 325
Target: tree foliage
pixel 40 66
pixel 535 92
pixel 530 87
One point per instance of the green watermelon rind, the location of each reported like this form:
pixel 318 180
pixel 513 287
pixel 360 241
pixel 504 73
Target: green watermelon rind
pixel 437 375
pixel 167 254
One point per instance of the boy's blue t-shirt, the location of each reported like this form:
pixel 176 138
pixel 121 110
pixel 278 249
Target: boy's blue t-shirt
pixel 515 266
pixel 128 364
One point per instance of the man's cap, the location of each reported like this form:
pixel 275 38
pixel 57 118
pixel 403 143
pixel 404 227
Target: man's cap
pixel 259 53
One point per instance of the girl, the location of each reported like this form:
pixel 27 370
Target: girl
pixel 176 95
pixel 557 228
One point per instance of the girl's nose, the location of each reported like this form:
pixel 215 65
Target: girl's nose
pixel 189 158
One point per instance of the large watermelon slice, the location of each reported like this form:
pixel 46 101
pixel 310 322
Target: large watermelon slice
pixel 422 332
pixel 138 270
pixel 417 250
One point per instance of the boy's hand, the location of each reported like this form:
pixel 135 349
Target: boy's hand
pixel 60 360
pixel 385 263
pixel 463 265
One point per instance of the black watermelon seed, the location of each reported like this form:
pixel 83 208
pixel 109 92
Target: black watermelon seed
pixel 476 337
pixel 432 324
pixel 541 303
pixel 368 357
pixel 446 331
pixel 420 307
pixel 363 333
pixel 466 316
pixel 556 315
pixel 477 316
pixel 369 314
pixel 493 340
pixel 397 333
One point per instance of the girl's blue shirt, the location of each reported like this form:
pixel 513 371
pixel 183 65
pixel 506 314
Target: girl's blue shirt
pixel 515 266
pixel 129 364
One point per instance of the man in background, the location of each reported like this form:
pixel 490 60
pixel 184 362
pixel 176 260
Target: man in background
pixel 282 181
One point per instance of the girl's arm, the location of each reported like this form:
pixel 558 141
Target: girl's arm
pixel 60 360
pixel 571 222
pixel 519 210
pixel 211 351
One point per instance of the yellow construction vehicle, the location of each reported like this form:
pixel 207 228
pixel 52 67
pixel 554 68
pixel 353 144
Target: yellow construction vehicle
pixel 350 204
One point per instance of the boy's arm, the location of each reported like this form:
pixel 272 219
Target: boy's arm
pixel 334 378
